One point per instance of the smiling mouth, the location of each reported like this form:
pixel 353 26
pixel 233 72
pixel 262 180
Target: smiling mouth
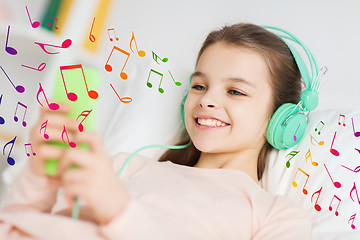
pixel 210 122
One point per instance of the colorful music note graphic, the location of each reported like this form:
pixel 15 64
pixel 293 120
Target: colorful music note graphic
pixel 19 88
pixel 40 68
pixel 295 138
pixel 43 126
pixel 333 150
pixel 92 37
pixel 108 67
pixel 123 99
pixel 56 20
pixel 318 143
pixel 292 154
pixel 35 24
pixel 294 183
pixel 342 116
pixel 319 128
pixel 352 223
pixel 176 83
pixel 72 96
pixel 156 57
pixel 354 189
pixel 65 44
pixel 52 106
pixel 27 153
pixel 356 170
pixel 330 207
pixel 316 206
pixel 111 39
pixel 2 120
pixel 141 53
pixel 308 155
pixel 8 49
pixel 336 184
pixel 71 144
pixel 10 160
pixel 84 114
pixel 356 134
pixel 16 118
pixel 357 150
pixel 150 85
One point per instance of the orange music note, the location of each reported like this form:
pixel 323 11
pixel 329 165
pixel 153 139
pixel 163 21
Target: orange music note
pixel 292 154
pixel 308 155
pixel 27 153
pixel 333 150
pixel 141 53
pixel 294 183
pixel 318 143
pixel 66 43
pixel 71 144
pixel 317 206
pixel 150 85
pixel 9 159
pixel 319 128
pixel 330 207
pixel 354 189
pixel 352 223
pixel 52 106
pixel 123 99
pixel 336 184
pixel 342 116
pixel 16 118
pixel 43 126
pixel 56 20
pixel 84 114
pixel 156 57
pixel 92 37
pixel 108 67
pixel 112 29
pixel 72 96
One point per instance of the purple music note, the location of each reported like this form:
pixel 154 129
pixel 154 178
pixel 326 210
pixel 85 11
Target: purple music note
pixel 2 120
pixel 356 134
pixel 19 88
pixel 16 118
pixel 8 49
pixel 10 160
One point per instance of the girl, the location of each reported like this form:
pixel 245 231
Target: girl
pixel 209 190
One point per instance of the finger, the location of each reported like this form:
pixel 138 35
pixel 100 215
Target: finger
pixel 63 108
pixel 78 157
pixel 58 121
pixel 93 139
pixel 73 177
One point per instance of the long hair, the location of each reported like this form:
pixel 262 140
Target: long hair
pixel 285 80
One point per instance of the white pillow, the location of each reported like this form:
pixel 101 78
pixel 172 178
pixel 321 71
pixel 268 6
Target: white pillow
pixel 331 200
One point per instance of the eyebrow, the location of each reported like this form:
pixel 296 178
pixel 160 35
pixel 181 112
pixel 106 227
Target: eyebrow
pixel 233 79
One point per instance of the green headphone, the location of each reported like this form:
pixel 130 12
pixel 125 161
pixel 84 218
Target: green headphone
pixel 288 124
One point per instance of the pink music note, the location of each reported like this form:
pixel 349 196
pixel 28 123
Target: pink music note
pixel 16 118
pixel 294 183
pixel 318 143
pixel 319 128
pixel 85 114
pixel 354 189
pixel 156 57
pixel 35 24
pixel 71 144
pixel 141 53
pixel 295 138
pixel 92 37
pixel 72 96
pixel 336 184
pixel 108 67
pixel 356 170
pixel 19 88
pixel 333 150
pixel 308 155
pixel 330 207
pixel 150 85
pixel 40 68
pixel 65 44
pixel 52 106
pixel 2 120
pixel 317 206
pixel 56 20
pixel 27 153
pixel 112 29
pixel 10 160
pixel 292 154
pixel 123 99
pixel 8 49
pixel 356 134
pixel 352 223
pixel 342 116
pixel 43 126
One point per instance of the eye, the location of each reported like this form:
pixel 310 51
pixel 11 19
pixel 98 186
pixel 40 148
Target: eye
pixel 198 87
pixel 235 92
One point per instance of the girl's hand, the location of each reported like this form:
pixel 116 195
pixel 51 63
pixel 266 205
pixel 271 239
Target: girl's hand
pixel 94 181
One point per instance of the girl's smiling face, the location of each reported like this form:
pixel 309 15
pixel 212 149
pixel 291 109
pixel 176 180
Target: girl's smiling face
pixel 230 101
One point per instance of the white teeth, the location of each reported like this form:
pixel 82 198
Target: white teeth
pixel 210 122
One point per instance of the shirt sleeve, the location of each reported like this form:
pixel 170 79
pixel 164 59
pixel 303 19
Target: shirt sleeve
pixel 29 192
pixel 285 221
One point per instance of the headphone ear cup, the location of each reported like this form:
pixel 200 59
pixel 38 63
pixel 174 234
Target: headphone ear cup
pixel 283 136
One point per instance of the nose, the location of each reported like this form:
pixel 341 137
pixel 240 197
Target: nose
pixel 208 100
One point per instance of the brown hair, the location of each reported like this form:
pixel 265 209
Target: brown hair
pixel 285 80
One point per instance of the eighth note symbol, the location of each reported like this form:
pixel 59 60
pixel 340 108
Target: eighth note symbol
pixel 340 116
